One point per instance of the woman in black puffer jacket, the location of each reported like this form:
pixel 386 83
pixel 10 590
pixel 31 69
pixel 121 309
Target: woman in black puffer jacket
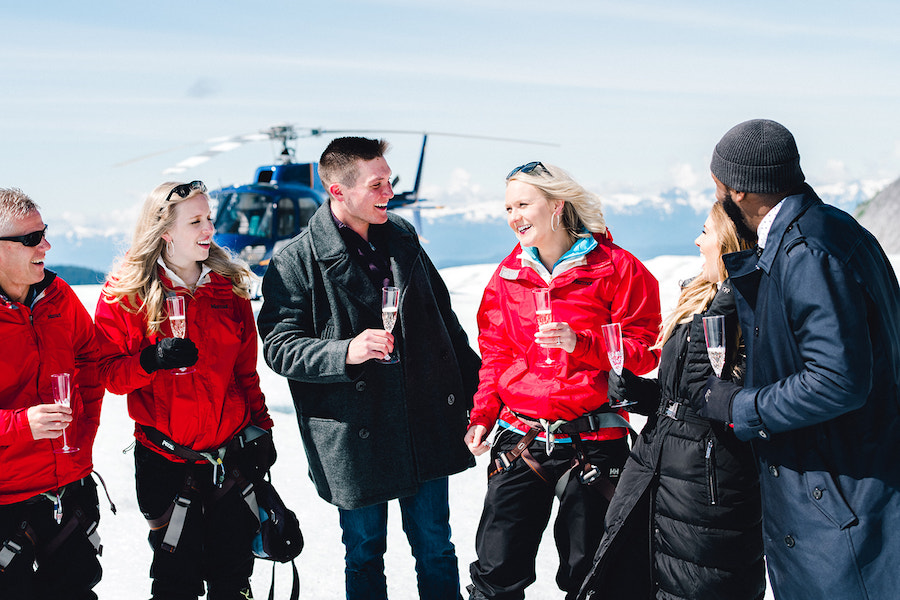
pixel 685 520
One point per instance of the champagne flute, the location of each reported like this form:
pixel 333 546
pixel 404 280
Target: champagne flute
pixel 61 384
pixel 178 323
pixel 390 302
pixel 714 331
pixel 544 317
pixel 612 336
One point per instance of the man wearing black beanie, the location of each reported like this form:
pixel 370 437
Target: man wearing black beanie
pixel 819 307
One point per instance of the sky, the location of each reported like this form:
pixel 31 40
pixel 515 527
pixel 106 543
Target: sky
pixel 98 98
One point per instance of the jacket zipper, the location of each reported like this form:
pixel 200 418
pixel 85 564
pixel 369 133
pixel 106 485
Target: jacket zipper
pixel 711 472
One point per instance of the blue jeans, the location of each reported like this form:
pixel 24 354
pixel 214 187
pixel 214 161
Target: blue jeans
pixel 426 518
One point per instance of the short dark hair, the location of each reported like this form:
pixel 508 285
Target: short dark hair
pixel 338 162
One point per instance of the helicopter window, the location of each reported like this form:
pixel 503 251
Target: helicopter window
pixel 307 207
pixel 286 217
pixel 246 214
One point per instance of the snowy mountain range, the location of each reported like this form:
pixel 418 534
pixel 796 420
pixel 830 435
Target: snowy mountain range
pixel 469 227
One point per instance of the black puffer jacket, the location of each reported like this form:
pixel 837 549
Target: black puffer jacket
pixel 685 521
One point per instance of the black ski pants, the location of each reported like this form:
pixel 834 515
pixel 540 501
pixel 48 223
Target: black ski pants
pixel 215 543
pixel 517 509
pixel 68 573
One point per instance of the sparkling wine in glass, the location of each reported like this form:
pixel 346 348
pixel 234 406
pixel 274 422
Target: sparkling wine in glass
pixel 61 384
pixel 544 317
pixel 390 302
pixel 612 336
pixel 714 330
pixel 178 323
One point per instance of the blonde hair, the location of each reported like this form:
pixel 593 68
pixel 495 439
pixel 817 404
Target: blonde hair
pixel 136 283
pixel 698 293
pixel 582 209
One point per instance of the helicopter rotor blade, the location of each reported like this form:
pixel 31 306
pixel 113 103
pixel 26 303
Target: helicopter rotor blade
pixel 317 132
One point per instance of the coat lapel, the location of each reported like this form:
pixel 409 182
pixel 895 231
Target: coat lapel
pixel 337 267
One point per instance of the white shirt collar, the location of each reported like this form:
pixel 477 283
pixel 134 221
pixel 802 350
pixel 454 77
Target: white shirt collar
pixel 762 232
pixel 204 274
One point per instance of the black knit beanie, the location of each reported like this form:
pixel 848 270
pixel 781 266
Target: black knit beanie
pixel 759 157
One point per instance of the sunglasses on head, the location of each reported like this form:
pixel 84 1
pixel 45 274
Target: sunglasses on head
pixel 29 239
pixel 184 189
pixel 527 168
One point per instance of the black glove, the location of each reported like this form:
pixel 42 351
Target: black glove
pixel 169 353
pixel 629 386
pixel 716 400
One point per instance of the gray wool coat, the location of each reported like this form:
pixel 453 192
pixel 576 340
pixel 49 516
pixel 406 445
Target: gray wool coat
pixel 372 432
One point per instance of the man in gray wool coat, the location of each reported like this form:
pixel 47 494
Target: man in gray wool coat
pixel 372 431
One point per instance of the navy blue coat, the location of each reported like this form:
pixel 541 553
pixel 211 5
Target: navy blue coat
pixel 820 312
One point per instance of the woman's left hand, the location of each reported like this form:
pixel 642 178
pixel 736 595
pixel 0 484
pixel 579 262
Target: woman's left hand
pixel 556 335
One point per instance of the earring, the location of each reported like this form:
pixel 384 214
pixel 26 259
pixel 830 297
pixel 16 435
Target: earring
pixel 558 222
pixel 170 249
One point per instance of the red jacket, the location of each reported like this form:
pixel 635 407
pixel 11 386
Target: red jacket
pixel 202 410
pixel 53 335
pixel 607 285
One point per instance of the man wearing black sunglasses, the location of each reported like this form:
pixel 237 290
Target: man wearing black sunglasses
pixel 48 500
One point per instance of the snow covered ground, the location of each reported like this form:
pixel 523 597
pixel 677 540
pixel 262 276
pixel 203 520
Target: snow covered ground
pixel 126 555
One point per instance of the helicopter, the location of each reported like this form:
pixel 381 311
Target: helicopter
pixel 256 219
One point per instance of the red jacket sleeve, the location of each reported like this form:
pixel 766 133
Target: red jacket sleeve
pixel 496 354
pixel 121 336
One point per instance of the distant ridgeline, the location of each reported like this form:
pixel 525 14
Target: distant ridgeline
pixel 880 215
pixel 78 275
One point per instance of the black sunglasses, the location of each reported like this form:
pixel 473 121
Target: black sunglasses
pixel 528 168
pixel 29 239
pixel 184 189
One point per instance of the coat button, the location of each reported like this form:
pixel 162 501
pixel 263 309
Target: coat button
pixel 451 399
pixel 763 434
pixel 364 433
pixel 789 541
pixel 360 386
pixel 773 470
pixel 817 493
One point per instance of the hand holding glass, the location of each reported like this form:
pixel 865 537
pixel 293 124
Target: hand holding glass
pixel 544 316
pixel 390 302
pixel 178 323
pixel 612 336
pixel 714 330
pixel 61 384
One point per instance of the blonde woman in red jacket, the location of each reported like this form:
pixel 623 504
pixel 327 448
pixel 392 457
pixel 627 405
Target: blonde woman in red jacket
pixel 564 246
pixel 187 423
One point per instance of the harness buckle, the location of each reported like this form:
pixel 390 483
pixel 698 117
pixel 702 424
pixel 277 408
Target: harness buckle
pixel 589 474
pixel 8 551
pixel 672 410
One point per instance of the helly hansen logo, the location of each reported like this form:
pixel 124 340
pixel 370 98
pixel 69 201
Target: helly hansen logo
pixel 54 315
pixel 613 472
pixel 219 306
pixel 583 282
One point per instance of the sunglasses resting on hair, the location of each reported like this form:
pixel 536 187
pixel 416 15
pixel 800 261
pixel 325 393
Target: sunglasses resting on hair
pixel 184 189
pixel 528 168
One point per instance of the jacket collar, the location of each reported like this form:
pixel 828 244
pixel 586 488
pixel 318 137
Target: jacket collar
pixel 35 292
pixel 791 209
pixel 329 249
pixel 518 265
pixel 574 256
pixel 210 282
